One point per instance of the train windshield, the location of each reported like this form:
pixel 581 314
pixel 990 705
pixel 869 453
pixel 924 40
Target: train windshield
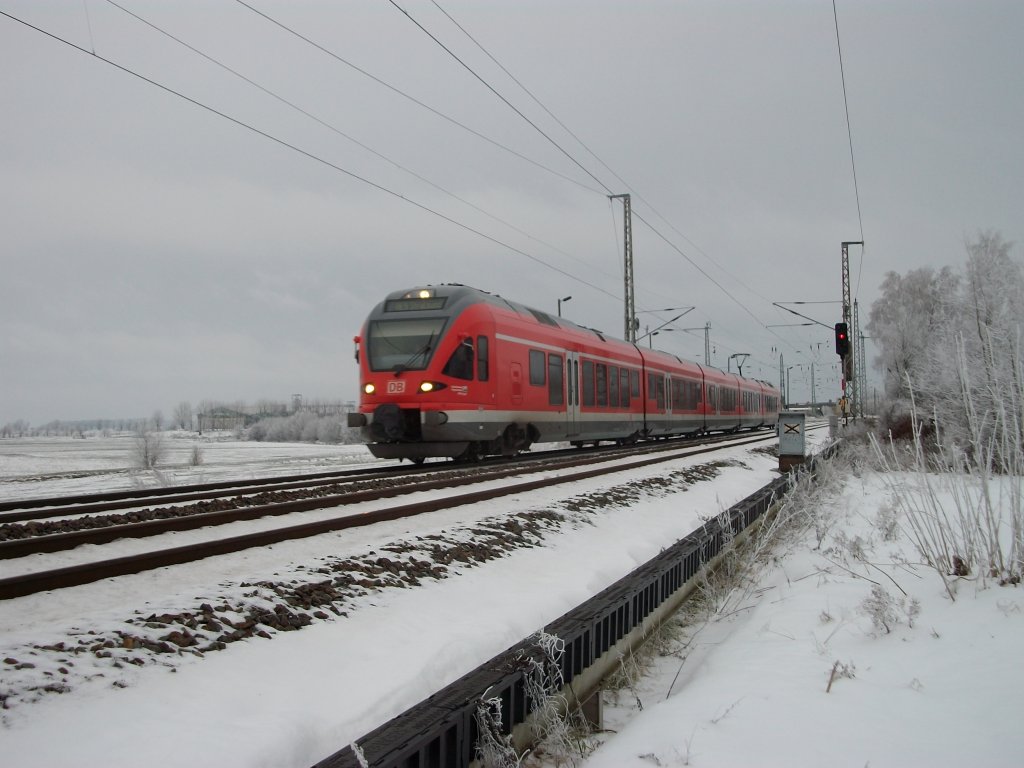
pixel 403 345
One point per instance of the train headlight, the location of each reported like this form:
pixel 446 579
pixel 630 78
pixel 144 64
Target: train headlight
pixel 427 386
pixel 369 389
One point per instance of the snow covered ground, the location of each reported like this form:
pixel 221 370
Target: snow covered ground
pixel 751 690
pixel 51 466
pixel 845 651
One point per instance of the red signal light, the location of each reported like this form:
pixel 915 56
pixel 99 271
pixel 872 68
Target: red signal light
pixel 842 339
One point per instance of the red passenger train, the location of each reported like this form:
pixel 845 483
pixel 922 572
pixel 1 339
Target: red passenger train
pixel 453 371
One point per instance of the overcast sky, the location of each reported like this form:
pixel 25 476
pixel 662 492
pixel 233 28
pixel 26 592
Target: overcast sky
pixel 155 252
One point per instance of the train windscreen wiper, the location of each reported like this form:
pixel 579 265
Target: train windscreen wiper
pixel 421 353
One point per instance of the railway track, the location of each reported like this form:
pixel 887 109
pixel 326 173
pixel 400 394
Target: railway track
pixel 352 498
pixel 445 728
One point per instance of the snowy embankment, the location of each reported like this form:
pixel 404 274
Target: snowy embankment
pixel 841 648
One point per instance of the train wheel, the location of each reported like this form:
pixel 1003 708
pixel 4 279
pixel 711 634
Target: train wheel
pixel 418 460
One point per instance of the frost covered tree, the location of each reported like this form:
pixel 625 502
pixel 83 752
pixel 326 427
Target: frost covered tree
pixel 954 343
pixel 912 310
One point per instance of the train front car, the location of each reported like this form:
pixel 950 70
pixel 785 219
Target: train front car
pixel 424 358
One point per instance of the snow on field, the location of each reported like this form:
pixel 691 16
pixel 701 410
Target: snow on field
pixel 750 692
pixel 51 466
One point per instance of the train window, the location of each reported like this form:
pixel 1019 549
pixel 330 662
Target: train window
pixel 634 383
pixel 613 386
pixel 555 389
pixel 713 399
pixel 537 377
pixel 659 388
pixel 692 395
pixel 588 382
pixel 723 399
pixel 602 384
pixel 460 364
pixel 483 361
pixel 624 388
pixel 406 345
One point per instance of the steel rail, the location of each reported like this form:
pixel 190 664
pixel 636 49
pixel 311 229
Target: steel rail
pixel 70 576
pixel 497 468
pixel 41 508
pixel 107 500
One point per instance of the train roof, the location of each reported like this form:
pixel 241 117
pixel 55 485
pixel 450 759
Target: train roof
pixel 458 297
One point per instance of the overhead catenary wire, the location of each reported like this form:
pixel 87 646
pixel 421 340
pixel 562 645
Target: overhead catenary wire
pixel 593 154
pixel 341 133
pixel 849 135
pixel 647 223
pixel 493 90
pixel 310 155
pixel 413 99
pixel 304 153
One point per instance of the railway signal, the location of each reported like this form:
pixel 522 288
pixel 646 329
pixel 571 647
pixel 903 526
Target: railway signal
pixel 842 339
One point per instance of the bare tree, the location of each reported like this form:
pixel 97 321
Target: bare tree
pixel 183 415
pixel 149 448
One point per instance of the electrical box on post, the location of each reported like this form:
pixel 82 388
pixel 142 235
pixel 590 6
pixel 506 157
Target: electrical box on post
pixel 792 443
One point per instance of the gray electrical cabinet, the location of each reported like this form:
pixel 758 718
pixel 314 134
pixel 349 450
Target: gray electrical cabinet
pixel 792 443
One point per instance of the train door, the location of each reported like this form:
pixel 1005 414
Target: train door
pixel 572 394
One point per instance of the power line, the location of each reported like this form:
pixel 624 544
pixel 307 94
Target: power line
pixel 526 90
pixel 344 135
pixel 849 134
pixel 305 153
pixel 493 90
pixel 590 151
pixel 413 99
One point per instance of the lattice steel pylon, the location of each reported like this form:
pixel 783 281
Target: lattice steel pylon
pixel 627 216
pixel 849 363
pixel 862 371
pixel 858 392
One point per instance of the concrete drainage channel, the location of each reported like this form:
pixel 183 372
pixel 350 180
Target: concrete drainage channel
pixel 442 731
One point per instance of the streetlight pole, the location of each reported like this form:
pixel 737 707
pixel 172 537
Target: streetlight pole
pixel 567 298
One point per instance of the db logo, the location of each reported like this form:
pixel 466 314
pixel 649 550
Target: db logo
pixel 396 387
